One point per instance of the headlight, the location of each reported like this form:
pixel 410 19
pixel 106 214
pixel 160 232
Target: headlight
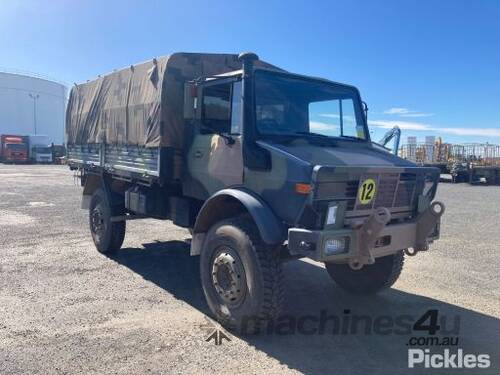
pixel 336 245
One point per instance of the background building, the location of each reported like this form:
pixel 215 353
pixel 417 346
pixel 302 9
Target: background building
pixel 30 104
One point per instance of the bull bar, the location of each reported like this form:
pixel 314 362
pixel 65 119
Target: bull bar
pixel 369 238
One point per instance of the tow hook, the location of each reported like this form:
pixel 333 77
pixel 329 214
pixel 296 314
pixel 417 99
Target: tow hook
pixel 369 232
pixel 426 222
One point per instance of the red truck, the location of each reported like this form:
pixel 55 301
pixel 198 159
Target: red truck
pixel 14 148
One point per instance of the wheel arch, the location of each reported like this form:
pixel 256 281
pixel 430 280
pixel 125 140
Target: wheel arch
pixel 93 182
pixel 233 202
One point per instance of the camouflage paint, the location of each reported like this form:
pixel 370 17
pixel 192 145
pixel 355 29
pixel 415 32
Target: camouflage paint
pixel 214 164
pixel 143 105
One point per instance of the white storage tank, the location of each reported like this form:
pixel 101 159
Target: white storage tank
pixel 30 104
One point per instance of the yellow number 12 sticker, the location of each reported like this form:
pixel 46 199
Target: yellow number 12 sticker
pixel 366 191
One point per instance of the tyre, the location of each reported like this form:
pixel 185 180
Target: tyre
pixel 369 279
pixel 108 236
pixel 241 276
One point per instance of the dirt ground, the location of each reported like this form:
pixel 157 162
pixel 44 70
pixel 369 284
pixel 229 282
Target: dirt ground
pixel 65 308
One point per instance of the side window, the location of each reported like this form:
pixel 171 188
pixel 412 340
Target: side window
pixel 236 110
pixel 216 111
pixel 350 124
pixel 221 109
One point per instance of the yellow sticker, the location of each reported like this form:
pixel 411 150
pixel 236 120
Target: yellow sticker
pixel 367 191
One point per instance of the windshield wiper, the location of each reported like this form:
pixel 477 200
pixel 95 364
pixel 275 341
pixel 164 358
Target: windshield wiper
pixel 323 136
pixel 313 134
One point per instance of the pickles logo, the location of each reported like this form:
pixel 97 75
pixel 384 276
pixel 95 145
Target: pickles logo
pixel 447 359
pixel 367 191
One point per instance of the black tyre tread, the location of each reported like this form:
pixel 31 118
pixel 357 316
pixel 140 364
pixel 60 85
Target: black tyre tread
pixel 117 229
pixel 117 236
pixel 271 273
pixel 397 268
pixel 370 279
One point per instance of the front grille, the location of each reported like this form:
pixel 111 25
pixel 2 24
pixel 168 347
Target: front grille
pixel 385 191
pixel 351 192
pixel 397 191
pixel 404 194
pixel 394 190
pixel 351 188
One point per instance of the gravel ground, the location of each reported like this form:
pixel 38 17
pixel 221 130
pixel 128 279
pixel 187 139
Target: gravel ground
pixel 65 308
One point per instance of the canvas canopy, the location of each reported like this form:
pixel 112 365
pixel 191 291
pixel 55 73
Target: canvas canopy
pixel 141 105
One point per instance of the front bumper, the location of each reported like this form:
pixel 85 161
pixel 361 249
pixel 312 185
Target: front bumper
pixel 370 239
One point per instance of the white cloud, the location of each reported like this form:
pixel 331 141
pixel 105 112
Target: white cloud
pixel 333 115
pixel 397 111
pixel 405 112
pixel 406 125
pixel 483 132
pixel 414 125
pixel 315 125
pixel 418 126
pixel 417 114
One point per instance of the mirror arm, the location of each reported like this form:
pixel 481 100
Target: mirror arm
pixel 227 138
pixel 365 109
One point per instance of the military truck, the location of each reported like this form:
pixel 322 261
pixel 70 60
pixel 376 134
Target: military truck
pixel 260 164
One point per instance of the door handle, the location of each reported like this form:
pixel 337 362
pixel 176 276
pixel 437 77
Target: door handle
pixel 198 154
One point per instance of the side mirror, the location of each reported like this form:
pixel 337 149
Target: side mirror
pixel 190 100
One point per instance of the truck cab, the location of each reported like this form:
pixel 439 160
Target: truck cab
pixel 302 146
pixel 40 151
pixel 42 154
pixel 14 149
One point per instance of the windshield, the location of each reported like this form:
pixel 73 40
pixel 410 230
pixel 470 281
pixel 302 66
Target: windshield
pixel 15 146
pixel 42 150
pixel 287 105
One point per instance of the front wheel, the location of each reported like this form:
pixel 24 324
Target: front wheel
pixel 370 279
pixel 240 275
pixel 108 236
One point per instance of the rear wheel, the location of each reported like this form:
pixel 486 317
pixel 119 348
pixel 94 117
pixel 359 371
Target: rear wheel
pixel 369 279
pixel 240 275
pixel 108 236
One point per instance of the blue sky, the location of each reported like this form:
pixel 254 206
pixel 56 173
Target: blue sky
pixel 431 67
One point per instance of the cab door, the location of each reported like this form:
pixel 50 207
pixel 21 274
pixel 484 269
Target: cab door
pixel 215 157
